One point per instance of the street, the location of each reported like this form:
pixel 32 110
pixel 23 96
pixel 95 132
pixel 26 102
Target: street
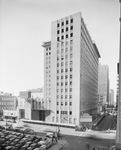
pixel 79 143
pixel 76 140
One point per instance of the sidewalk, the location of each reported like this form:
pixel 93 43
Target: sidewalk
pixel 59 145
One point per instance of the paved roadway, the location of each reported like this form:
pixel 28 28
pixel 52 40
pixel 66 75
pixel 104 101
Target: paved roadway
pixel 108 122
pixel 79 143
pixel 76 139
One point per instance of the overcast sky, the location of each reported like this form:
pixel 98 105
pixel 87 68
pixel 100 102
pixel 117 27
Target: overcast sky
pixel 26 24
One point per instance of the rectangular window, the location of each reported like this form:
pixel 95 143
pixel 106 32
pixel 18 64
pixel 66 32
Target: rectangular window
pixel 57 103
pixel 71 27
pixel 62 64
pixel 58 39
pixel 66 103
pixel 61 103
pixel 58 25
pixel 70 103
pixel 70 96
pixel 71 42
pixel 57 112
pixel 62 30
pixel 66 90
pixel 70 89
pixel 71 48
pixel 67 29
pixel 71 20
pixel 71 62
pixel 71 35
pixel 70 69
pixel 70 112
pixel 58 31
pixel 61 77
pixel 62 37
pixel 62 43
pixel 57 44
pixel 66 35
pixel 71 55
pixel 66 49
pixel 66 21
pixel 62 23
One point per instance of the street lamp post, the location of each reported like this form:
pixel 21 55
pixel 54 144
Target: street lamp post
pixel 118 130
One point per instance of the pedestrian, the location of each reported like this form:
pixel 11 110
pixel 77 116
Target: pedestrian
pixel 56 137
pixel 58 133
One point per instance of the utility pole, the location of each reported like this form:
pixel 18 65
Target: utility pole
pixel 118 130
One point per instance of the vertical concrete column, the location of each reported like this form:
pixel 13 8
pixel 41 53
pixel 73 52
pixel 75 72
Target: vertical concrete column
pixel 118 131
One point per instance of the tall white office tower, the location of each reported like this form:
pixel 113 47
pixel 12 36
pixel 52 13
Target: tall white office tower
pixel 70 71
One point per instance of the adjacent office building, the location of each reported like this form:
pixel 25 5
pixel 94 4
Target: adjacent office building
pixel 8 104
pixel 111 97
pixel 31 105
pixel 71 71
pixel 103 84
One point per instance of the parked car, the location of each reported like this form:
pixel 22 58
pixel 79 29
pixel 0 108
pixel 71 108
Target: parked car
pixel 33 146
pixel 28 130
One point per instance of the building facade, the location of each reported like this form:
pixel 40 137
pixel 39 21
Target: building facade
pixel 70 71
pixel 103 84
pixel 111 97
pixel 31 105
pixel 7 102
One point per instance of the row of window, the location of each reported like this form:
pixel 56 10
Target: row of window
pixel 66 83
pixel 48 49
pixel 66 50
pixel 66 77
pixel 62 37
pixel 65 112
pixel 62 30
pixel 66 70
pixel 67 22
pixel 66 56
pixel 65 90
pixel 65 96
pixel 48 53
pixel 66 63
pixel 66 43
pixel 66 103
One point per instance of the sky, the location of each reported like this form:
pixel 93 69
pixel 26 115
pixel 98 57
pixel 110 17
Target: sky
pixel 26 24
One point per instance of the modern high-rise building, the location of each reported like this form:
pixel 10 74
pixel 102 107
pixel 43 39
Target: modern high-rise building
pixel 103 84
pixel 111 97
pixel 71 71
